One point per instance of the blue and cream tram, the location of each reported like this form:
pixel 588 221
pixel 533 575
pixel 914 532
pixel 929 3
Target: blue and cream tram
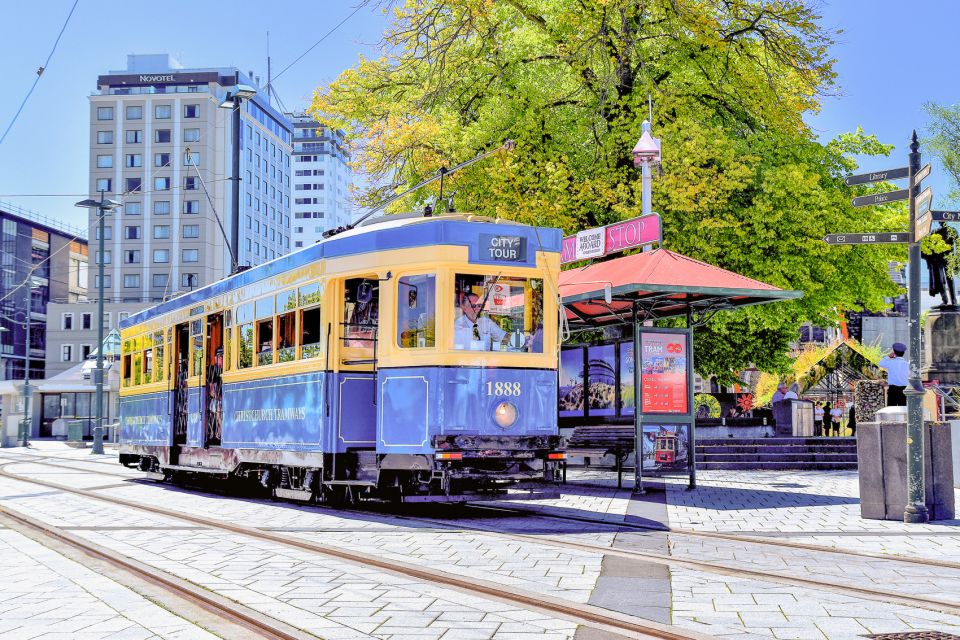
pixel 414 358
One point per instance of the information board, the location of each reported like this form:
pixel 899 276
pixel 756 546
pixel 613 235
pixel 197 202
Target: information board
pixel 663 373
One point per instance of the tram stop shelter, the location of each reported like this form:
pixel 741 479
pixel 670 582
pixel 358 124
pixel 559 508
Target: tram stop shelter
pixel 631 290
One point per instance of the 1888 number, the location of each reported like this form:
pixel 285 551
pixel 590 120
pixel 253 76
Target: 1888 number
pixel 503 388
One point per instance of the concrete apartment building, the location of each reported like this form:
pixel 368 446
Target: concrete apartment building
pixel 181 148
pixel 59 253
pixel 321 180
pixel 72 330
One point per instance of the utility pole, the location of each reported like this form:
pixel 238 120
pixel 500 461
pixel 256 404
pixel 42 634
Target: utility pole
pixel 28 294
pixel 916 509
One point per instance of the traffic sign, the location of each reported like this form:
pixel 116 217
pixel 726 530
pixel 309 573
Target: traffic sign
pixel 921 175
pixel 877 176
pixel 867 238
pixel 881 198
pixel 945 216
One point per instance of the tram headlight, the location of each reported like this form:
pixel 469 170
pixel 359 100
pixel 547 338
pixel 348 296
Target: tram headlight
pixel 505 414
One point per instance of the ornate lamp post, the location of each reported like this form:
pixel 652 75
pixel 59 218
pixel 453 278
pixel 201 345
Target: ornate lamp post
pixel 646 155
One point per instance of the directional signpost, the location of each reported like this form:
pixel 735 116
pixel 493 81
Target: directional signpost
pixel 867 238
pixel 921 218
pixel 945 216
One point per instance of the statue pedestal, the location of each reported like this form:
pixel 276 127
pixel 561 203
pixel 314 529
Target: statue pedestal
pixel 941 346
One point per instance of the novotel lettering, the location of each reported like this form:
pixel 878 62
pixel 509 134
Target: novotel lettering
pixel 503 248
pixel 157 78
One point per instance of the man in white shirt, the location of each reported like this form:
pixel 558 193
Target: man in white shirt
pixel 783 393
pixel 471 332
pixel 898 373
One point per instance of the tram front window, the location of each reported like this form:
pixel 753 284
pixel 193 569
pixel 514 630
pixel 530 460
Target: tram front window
pixel 496 313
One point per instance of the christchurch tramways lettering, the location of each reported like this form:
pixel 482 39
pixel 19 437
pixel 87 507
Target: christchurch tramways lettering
pixel 257 415
pixel 138 421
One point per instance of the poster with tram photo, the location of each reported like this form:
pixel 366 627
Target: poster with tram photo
pixel 666 447
pixel 663 373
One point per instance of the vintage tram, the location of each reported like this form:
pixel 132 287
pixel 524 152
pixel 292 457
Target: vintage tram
pixel 411 358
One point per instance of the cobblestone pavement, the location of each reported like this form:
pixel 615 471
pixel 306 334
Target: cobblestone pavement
pixel 816 508
pixel 46 595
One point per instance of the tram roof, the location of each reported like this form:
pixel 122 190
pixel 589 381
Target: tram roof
pixel 383 234
pixel 663 284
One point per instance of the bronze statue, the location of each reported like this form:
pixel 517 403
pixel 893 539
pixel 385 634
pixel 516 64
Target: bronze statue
pixel 941 282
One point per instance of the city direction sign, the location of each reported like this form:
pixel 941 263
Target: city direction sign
pixel 881 198
pixel 878 176
pixel 945 216
pixel 922 174
pixel 867 238
pixel 922 213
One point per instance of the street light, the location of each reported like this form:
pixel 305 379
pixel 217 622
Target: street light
pixel 645 156
pixel 102 206
pixel 27 322
pixel 232 101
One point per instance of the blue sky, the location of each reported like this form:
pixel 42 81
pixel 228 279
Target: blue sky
pixel 892 58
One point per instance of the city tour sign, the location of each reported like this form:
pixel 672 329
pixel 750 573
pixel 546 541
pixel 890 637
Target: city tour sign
pixel 620 236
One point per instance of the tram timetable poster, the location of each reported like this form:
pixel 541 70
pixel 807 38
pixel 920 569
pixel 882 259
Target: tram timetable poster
pixel 664 372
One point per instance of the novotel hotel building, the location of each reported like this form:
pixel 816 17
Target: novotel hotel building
pixel 201 163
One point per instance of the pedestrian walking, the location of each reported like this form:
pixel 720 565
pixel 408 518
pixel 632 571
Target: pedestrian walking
pixel 836 415
pixel 818 418
pixel 852 422
pixel 825 423
pixel 897 373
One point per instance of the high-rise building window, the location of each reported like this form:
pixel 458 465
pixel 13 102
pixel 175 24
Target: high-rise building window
pixel 131 280
pixel 131 233
pixel 161 255
pixel 104 137
pixel 162 135
pixel 134 160
pixel 133 208
pixel 188 280
pixel 134 136
pixel 161 207
pixel 86 319
pixel 132 184
pixel 134 113
pixel 161 231
pixel 131 256
pixel 191 135
pixel 106 257
pixel 161 159
pixel 105 162
pixel 191 231
pixel 161 184
pixel 191 111
pixel 191 159
pixel 85 351
pixel 66 352
pixel 160 280
pixel 161 112
pixel 66 321
pixel 104 184
pixel 191 206
pixel 191 183
pixel 96 284
pixel 298 244
pixel 104 113
pixel 107 233
pixel 190 255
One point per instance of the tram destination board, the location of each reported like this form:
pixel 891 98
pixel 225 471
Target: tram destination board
pixel 867 238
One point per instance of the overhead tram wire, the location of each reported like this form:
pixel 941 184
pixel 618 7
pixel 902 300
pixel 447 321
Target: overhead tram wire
pixel 315 44
pixel 223 232
pixel 40 71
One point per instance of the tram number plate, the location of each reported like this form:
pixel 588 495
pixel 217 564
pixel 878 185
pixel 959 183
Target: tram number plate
pixel 503 388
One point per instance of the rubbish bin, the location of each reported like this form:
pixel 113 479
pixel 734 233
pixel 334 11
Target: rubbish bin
pixel 882 462
pixel 75 431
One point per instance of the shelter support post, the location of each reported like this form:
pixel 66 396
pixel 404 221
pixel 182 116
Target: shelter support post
pixel 692 445
pixel 637 403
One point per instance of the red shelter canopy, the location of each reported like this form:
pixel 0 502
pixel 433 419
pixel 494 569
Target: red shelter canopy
pixel 661 284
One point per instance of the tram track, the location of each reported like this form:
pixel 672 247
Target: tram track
pixel 612 622
pixel 714 567
pixel 250 621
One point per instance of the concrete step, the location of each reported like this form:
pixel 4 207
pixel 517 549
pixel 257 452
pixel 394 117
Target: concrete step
pixel 777 466
pixel 786 450
pixel 776 441
pixel 761 458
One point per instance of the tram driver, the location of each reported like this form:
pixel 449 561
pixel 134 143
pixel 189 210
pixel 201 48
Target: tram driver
pixel 473 329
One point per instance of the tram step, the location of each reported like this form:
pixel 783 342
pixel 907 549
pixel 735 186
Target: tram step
pixel 293 494
pixel 178 467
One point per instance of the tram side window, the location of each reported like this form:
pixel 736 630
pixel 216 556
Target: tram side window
pixel 263 309
pixel 137 368
pixel 227 334
pixel 245 344
pixel 127 370
pixel 196 333
pixel 159 352
pixel 147 366
pixel 311 334
pixel 286 326
pixel 494 313
pixel 417 311
pixel 361 310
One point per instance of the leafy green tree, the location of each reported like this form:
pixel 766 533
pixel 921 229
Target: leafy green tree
pixel 944 141
pixel 745 184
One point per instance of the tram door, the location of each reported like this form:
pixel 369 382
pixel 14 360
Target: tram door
pixel 357 359
pixel 181 407
pixel 213 389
